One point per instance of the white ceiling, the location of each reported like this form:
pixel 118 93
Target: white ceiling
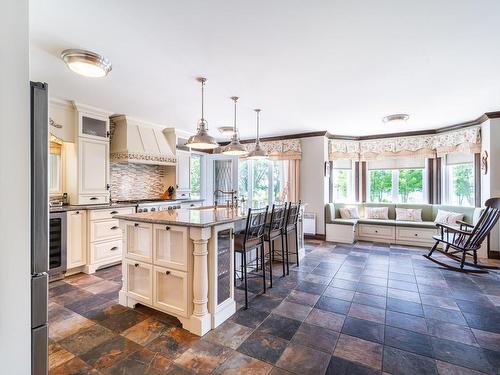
pixel 328 65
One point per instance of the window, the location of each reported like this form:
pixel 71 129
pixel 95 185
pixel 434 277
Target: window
pixel 396 181
pixel 262 182
pixel 342 181
pixel 458 179
pixel 196 161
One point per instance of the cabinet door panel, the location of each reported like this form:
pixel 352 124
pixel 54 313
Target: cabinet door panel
pixel 171 246
pixel 93 159
pixel 139 241
pixel 76 239
pixel 183 171
pixel 170 290
pixel 139 281
pixel 104 230
pixel 105 251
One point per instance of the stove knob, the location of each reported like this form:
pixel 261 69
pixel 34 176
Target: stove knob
pixel 144 210
pixel 153 209
pixel 139 210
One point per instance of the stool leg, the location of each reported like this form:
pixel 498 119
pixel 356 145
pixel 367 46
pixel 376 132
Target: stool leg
pixel 271 250
pixel 297 244
pixel 287 251
pixel 235 272
pixel 263 264
pixel 283 256
pixel 245 277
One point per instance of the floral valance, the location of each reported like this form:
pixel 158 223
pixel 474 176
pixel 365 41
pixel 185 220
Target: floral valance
pixel 287 149
pixel 423 146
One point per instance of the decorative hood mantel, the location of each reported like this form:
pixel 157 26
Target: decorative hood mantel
pixel 423 146
pixel 135 141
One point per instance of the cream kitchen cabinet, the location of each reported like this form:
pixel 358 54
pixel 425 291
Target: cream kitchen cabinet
pixel 139 280
pixel 170 244
pixel 76 225
pixel 170 291
pixel 93 158
pixel 93 123
pixel 183 174
pixel 139 241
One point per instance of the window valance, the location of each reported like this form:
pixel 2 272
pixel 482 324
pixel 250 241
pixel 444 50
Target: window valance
pixel 287 149
pixel 466 140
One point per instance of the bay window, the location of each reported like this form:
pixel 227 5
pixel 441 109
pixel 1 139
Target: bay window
pixel 262 182
pixel 458 179
pixel 396 181
pixel 342 181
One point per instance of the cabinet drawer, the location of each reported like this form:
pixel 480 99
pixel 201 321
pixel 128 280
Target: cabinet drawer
pixel 101 251
pixel 139 280
pixel 381 231
pixel 108 213
pixel 415 234
pixel 104 230
pixel 170 246
pixel 139 241
pixel 170 291
pixel 93 199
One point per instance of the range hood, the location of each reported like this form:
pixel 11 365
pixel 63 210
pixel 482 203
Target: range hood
pixel 136 141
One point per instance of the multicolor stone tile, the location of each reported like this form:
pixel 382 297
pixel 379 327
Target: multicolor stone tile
pixel 204 357
pixel 357 350
pixel 229 334
pixel 240 363
pixel 263 346
pixel 144 332
pixel 303 360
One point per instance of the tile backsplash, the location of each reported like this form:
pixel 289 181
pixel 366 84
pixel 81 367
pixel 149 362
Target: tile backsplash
pixel 137 181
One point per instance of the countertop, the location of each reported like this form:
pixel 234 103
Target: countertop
pixel 90 207
pixel 195 217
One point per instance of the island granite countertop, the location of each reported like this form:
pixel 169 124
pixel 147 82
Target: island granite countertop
pixel 194 217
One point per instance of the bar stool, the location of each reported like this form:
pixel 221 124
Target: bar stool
pixel 252 238
pixel 291 224
pixel 274 230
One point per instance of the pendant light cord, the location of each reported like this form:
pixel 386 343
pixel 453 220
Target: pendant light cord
pixel 258 125
pixel 202 99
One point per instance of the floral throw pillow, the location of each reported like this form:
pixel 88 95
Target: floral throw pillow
pixel 409 214
pixel 349 213
pixel 377 213
pixel 448 217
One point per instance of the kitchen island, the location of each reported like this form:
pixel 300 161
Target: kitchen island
pixel 181 262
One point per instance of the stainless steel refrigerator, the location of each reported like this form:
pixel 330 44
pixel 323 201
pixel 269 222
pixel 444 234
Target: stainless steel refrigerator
pixel 39 228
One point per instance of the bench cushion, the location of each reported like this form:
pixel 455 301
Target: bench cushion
pixel 343 221
pixel 377 222
pixel 416 224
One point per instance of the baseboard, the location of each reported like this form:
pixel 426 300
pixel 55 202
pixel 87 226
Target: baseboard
pixel 494 254
pixel 320 237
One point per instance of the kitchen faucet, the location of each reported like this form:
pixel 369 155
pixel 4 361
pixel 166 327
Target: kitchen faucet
pixel 234 199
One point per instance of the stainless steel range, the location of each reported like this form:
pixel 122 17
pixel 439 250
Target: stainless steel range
pixel 152 205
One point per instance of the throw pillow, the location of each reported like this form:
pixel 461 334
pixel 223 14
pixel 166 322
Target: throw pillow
pixel 377 213
pixel 447 217
pixel 409 214
pixel 349 213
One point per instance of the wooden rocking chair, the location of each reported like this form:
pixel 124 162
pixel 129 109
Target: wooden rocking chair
pixel 467 239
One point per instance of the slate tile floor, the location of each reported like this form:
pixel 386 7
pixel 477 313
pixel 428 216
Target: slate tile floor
pixel 361 309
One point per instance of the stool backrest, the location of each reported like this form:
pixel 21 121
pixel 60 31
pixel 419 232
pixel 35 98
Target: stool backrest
pixel 292 216
pixel 278 217
pixel 256 222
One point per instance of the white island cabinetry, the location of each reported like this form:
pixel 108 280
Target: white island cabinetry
pixel 181 262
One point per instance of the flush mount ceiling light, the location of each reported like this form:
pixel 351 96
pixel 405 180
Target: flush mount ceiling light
pixel 86 63
pixel 235 147
pixel 258 152
pixel 202 140
pixel 226 130
pixel 396 119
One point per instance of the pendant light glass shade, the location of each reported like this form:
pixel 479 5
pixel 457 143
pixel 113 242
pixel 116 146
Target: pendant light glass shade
pixel 202 140
pixel 235 147
pixel 258 152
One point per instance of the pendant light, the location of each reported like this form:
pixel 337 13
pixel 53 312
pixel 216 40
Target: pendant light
pixel 202 140
pixel 235 147
pixel 258 152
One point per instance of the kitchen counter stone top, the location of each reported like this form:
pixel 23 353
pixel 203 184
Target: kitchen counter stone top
pixel 195 217
pixel 90 207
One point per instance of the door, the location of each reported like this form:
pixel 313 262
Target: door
pixel 76 238
pixel 170 246
pixel 170 290
pixel 183 173
pixel 139 280
pixel 94 166
pixel 139 237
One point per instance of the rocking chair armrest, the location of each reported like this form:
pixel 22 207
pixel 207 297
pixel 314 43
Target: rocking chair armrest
pixel 465 224
pixel 453 229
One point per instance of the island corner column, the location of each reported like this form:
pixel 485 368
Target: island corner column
pixel 200 321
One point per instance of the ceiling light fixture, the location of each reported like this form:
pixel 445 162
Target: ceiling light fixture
pixel 396 119
pixel 258 152
pixel 86 63
pixel 226 130
pixel 235 147
pixel 202 140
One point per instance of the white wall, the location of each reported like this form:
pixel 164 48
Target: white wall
pixel 490 183
pixel 313 184
pixel 15 353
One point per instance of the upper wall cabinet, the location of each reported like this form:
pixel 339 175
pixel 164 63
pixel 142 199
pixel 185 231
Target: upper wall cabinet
pixel 92 122
pixel 62 118
pixel 183 173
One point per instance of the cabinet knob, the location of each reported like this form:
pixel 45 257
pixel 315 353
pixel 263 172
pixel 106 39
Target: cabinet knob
pixel 167 228
pixel 376 231
pixel 114 227
pixel 77 212
pixel 114 248
pixel 136 265
pixel 93 198
pixel 136 224
pixel 113 212
pixel 167 272
pixel 416 234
